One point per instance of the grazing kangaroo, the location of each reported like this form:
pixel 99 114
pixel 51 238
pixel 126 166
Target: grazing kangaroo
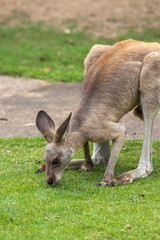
pixel 101 151
pixel 122 77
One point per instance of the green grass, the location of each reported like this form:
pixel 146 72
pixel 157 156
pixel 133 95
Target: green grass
pixel 75 209
pixel 42 52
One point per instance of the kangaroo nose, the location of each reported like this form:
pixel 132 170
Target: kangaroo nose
pixel 50 181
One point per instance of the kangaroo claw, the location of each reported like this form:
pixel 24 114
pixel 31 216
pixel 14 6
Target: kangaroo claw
pixel 109 183
pixel 38 171
pixel 85 168
pixel 41 169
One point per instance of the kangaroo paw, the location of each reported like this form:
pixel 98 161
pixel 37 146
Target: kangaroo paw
pixel 85 167
pixel 41 169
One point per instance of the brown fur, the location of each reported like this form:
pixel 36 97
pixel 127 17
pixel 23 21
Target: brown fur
pixel 95 52
pixel 122 77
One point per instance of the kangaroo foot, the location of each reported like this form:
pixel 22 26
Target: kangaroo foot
pixel 128 177
pixel 125 178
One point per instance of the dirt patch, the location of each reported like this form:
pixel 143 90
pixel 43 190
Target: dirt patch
pixel 103 17
pixel 21 99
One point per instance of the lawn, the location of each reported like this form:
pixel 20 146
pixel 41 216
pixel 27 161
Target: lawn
pixel 41 52
pixel 75 209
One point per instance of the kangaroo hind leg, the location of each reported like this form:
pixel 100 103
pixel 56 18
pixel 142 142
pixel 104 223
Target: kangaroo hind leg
pixel 149 100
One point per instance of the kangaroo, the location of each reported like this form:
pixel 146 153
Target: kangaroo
pixel 101 151
pixel 123 77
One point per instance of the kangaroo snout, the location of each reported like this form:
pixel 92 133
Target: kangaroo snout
pixel 49 181
pixel 53 181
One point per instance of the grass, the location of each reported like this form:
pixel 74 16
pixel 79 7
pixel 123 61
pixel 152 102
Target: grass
pixel 75 209
pixel 41 52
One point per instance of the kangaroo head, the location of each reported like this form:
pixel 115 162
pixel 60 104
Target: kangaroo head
pixel 57 153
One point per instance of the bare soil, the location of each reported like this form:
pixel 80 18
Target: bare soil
pixel 99 17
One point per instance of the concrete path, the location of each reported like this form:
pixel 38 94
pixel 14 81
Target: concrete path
pixel 21 99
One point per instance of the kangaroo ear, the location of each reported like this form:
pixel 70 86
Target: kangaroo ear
pixel 45 125
pixel 63 130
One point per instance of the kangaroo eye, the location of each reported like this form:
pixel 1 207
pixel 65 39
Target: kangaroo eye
pixel 55 161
